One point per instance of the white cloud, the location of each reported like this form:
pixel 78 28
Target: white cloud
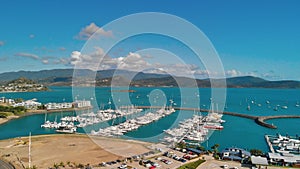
pixel 75 57
pixel 28 55
pixel 89 61
pixel 233 73
pixel 99 61
pixel 1 43
pixel 45 61
pixel 267 75
pixel 137 62
pixel 92 30
pixel 133 62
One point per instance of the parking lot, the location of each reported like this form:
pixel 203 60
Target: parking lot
pixel 211 163
pixel 169 159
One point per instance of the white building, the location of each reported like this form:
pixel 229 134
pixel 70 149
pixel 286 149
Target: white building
pixel 284 159
pixel 82 103
pixel 260 162
pixel 8 101
pixel 28 104
pixel 53 106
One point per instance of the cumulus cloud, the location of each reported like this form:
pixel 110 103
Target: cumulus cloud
pixel 45 61
pixel 1 43
pixel 28 55
pixel 266 75
pixel 98 60
pixel 92 30
pixel 271 75
pixel 133 62
pixel 233 73
pixel 75 58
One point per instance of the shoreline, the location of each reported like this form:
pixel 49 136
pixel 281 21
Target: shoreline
pixel 34 112
pixel 7 119
pixel 48 90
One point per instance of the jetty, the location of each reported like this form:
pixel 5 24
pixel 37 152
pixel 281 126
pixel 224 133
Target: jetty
pixel 269 143
pixel 260 120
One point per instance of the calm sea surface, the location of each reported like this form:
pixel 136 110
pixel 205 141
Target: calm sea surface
pixel 237 131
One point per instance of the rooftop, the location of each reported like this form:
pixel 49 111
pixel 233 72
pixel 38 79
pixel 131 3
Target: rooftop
pixel 258 160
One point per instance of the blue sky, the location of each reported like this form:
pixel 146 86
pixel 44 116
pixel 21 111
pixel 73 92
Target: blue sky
pixel 260 38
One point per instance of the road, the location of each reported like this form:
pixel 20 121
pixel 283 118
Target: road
pixel 5 165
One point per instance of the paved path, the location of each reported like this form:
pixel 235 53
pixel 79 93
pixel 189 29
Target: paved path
pixel 211 163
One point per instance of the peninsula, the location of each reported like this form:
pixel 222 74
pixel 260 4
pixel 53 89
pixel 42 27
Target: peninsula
pixel 22 85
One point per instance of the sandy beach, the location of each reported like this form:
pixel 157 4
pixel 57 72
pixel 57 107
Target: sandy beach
pixel 49 149
pixel 4 120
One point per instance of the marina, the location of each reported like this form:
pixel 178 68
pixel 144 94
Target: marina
pixel 285 150
pixel 147 85
pixel 69 124
pixel 134 124
pixel 260 120
pixel 286 145
pixel 234 124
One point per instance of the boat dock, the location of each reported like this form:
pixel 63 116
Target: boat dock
pixel 260 120
pixel 269 143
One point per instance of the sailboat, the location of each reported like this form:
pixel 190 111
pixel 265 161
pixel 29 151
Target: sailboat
pixel 248 108
pixel 47 124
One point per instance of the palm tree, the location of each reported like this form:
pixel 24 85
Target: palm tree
pixel 215 150
pixel 55 165
pixel 61 164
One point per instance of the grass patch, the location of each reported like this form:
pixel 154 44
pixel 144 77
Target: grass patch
pixel 5 114
pixel 192 165
pixel 18 111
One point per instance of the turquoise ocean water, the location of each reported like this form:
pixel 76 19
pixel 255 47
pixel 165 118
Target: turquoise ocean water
pixel 237 131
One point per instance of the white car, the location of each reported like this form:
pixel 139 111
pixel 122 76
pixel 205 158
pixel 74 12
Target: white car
pixel 168 162
pixel 156 165
pixel 123 166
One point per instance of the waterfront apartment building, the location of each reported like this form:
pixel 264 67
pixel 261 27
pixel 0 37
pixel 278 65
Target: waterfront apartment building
pixel 82 103
pixel 53 106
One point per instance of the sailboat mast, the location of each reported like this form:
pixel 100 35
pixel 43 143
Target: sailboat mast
pixel 29 151
pixel 45 116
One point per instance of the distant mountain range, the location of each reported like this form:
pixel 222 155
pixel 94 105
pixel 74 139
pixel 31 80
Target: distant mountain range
pixel 63 77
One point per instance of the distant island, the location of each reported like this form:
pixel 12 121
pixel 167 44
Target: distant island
pixel 22 85
pixel 103 78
